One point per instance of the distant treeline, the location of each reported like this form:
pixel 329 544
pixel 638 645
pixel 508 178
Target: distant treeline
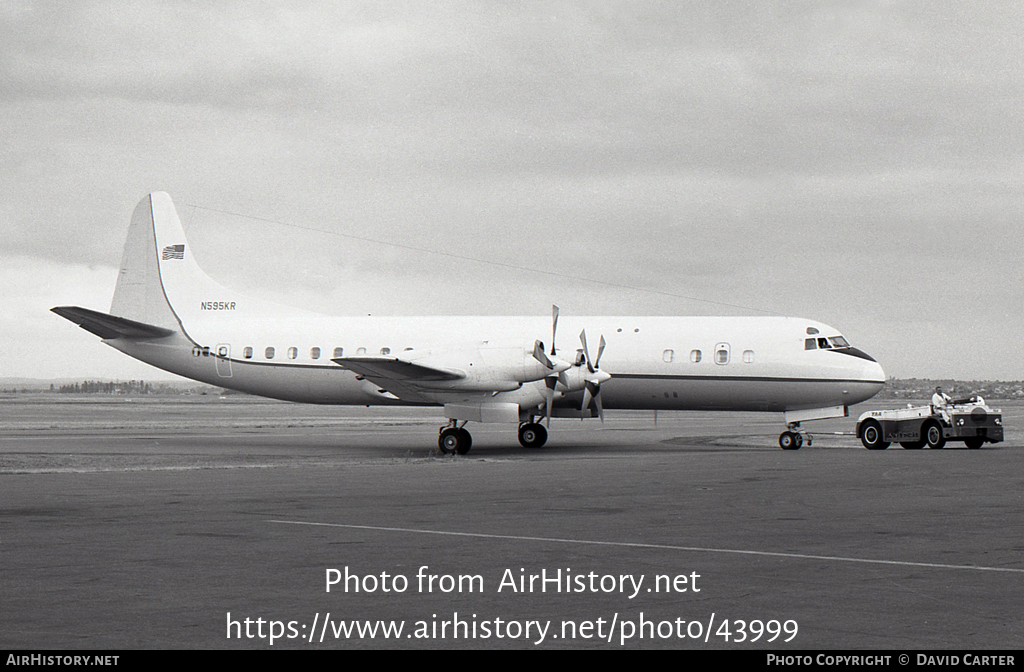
pixel 922 388
pixel 98 387
pixel 128 387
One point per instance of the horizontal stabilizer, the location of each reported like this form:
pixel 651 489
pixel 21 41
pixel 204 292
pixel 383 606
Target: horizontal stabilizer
pixel 110 326
pixel 393 368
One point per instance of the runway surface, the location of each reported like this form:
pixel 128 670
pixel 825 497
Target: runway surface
pixel 145 523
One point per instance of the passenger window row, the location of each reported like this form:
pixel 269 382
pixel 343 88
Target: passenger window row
pixel 314 353
pixel 721 355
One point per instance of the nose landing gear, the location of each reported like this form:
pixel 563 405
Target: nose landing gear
pixel 793 438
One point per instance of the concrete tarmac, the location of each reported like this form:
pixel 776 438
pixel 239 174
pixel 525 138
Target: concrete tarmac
pixel 167 523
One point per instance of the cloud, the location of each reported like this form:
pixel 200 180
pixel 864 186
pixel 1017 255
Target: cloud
pixel 39 344
pixel 791 157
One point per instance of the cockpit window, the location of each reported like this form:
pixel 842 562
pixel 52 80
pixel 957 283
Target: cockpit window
pixel 823 343
pixel 810 344
pixel 838 342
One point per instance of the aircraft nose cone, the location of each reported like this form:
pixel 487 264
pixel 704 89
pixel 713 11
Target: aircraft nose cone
pixel 873 377
pixel 877 372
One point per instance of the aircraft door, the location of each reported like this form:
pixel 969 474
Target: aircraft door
pixel 223 358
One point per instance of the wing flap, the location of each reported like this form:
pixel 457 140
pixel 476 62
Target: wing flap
pixel 110 326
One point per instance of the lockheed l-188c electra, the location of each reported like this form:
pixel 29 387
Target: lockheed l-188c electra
pixel 168 313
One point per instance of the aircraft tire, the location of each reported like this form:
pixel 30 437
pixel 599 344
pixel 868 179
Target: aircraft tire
pixel 790 441
pixel 465 443
pixel 532 435
pixel 933 438
pixel 871 436
pixel 454 440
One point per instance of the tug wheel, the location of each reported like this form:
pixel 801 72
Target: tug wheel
pixel 933 437
pixel 871 436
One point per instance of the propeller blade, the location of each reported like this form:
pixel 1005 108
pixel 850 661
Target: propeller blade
pixel 549 383
pixel 538 354
pixel 600 351
pixel 586 350
pixel 587 397
pixel 554 326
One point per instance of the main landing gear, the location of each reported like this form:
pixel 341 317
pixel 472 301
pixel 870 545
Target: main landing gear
pixel 454 438
pixel 793 437
pixel 532 435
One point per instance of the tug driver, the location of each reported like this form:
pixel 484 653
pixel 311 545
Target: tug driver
pixel 940 400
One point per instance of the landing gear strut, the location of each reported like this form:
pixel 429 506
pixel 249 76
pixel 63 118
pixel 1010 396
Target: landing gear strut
pixel 454 439
pixel 793 437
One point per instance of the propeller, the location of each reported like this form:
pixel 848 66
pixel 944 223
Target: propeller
pixel 558 371
pixel 595 376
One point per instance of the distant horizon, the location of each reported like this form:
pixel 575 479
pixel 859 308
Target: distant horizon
pixel 17 380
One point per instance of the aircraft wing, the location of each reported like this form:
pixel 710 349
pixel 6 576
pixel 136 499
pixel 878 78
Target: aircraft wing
pixel 404 379
pixel 392 368
pixel 109 326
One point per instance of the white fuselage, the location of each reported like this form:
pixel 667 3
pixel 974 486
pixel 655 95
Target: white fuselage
pixel 695 363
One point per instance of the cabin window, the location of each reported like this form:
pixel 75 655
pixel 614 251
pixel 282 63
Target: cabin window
pixel 668 355
pixel 339 352
pixel 360 351
pixel 247 352
pixel 269 352
pixel 748 356
pixel 293 352
pixel 722 353
pixel 385 351
pixel 810 344
pixel 222 351
pixel 314 353
pixel 695 356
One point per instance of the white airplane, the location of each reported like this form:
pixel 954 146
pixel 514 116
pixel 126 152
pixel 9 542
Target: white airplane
pixel 168 313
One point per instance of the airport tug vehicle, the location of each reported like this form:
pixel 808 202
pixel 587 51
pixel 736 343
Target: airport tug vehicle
pixel 968 420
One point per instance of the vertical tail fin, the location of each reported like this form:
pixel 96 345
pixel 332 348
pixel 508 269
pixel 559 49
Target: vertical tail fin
pixel 139 294
pixel 161 284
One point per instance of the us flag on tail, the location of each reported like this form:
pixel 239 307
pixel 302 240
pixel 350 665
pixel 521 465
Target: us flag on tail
pixel 173 252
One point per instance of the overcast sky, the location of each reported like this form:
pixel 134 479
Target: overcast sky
pixel 858 163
